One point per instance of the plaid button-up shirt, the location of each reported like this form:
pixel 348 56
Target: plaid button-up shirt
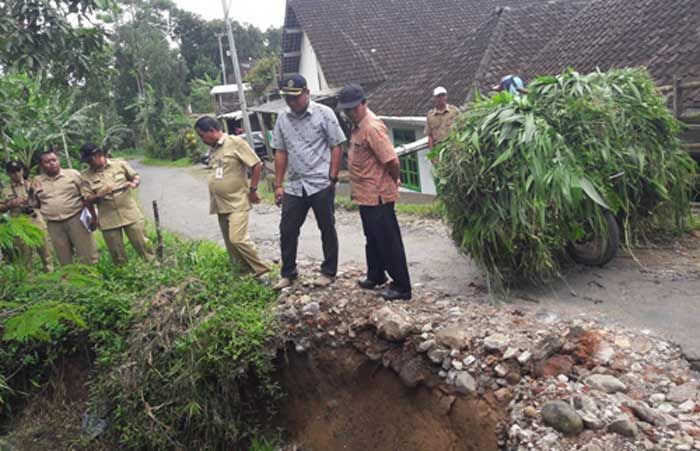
pixel 308 139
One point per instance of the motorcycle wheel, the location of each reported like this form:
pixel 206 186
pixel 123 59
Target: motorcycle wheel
pixel 598 250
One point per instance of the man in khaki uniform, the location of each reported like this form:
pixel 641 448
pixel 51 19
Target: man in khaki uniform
pixel 230 193
pixel 15 198
pixel 440 118
pixel 57 192
pixel 107 184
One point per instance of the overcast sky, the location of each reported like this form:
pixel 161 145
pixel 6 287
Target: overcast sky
pixel 261 13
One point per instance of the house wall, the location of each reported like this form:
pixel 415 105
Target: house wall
pixel 310 67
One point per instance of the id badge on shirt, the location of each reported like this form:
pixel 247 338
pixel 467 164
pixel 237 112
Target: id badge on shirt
pixel 219 172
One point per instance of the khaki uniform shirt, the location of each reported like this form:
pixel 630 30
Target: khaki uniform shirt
pixel 13 191
pixel 370 150
pixel 439 123
pixel 118 209
pixel 228 183
pixel 59 196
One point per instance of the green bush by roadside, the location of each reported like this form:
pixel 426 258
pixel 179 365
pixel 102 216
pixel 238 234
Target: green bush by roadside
pixel 182 352
pixel 520 177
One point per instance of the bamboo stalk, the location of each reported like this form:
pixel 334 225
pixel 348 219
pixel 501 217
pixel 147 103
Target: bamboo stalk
pixel 65 149
pixel 159 236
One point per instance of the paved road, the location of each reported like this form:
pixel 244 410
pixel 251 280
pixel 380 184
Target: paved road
pixel 663 298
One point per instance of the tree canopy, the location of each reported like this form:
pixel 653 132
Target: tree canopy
pixel 133 65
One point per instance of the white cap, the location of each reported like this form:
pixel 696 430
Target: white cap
pixel 439 90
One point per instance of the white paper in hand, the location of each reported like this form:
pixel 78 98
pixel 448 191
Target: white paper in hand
pixel 86 219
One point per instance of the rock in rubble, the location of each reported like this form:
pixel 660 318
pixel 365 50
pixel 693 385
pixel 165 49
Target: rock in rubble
pixel 465 383
pixel 687 406
pixel 510 353
pixel 606 383
pixel 682 393
pixel 605 352
pixel 547 347
pixel 524 357
pixel 426 346
pixel 437 355
pixel 647 414
pixel 468 360
pixel 500 370
pixel 554 366
pixel 311 309
pixel 562 417
pixel 453 337
pixel 496 343
pixel 591 421
pixel 583 402
pixel 392 324
pixel 412 373
pixel 623 426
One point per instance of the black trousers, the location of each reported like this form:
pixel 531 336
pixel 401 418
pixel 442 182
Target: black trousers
pixel 294 212
pixel 384 249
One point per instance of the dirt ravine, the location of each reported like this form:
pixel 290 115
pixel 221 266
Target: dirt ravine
pixel 661 296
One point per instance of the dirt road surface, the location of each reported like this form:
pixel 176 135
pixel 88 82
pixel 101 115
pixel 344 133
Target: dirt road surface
pixel 661 296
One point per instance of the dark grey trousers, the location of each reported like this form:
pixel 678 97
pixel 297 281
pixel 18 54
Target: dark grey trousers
pixel 294 212
pixel 384 249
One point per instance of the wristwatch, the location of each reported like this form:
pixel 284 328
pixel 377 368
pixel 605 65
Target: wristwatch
pixel 333 179
pixel 253 189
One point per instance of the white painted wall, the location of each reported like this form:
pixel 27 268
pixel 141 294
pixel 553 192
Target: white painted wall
pixel 425 167
pixel 310 68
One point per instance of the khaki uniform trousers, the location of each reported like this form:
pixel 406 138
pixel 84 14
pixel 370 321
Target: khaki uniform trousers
pixel 114 238
pixel 26 253
pixel 71 239
pixel 234 228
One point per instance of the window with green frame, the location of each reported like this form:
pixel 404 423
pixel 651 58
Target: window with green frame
pixel 410 176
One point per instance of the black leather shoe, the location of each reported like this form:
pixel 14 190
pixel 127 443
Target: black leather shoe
pixel 368 284
pixel 392 294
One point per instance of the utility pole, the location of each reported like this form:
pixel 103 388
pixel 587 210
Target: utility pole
pixel 237 73
pixel 221 55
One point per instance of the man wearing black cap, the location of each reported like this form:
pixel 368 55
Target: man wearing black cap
pixel 15 198
pixel 374 173
pixel 307 141
pixel 107 183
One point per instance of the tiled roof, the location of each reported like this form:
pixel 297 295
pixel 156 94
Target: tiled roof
pixel 660 35
pixel 401 49
pixel 505 43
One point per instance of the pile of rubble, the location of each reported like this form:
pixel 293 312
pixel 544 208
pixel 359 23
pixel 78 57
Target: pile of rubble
pixel 565 384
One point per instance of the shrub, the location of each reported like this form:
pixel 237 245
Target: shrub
pixel 182 351
pixel 520 177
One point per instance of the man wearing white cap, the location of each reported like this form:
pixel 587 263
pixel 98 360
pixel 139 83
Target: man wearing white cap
pixel 440 118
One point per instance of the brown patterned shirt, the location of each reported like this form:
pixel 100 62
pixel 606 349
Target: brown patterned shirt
pixel 370 150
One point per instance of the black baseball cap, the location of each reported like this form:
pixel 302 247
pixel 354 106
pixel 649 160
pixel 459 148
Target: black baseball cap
pixel 350 96
pixel 88 150
pixel 293 85
pixel 13 166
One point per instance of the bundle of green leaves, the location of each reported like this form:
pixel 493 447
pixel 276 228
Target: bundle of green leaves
pixel 182 352
pixel 520 177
